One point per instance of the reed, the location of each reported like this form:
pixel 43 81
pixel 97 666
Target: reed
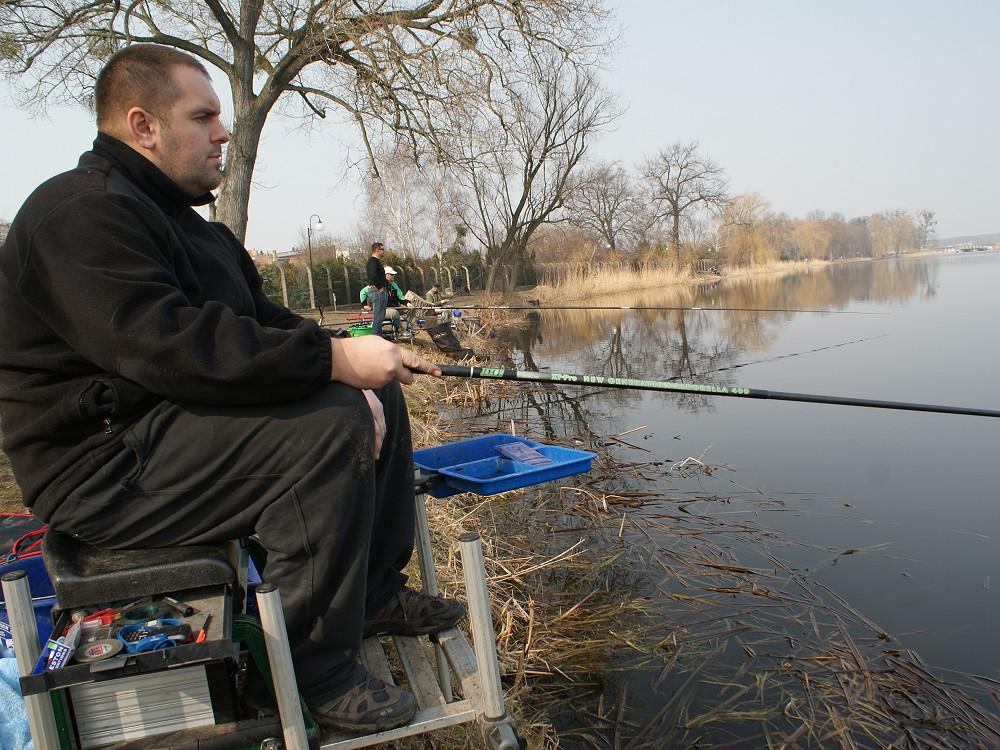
pixel 578 283
pixel 10 495
pixel 622 281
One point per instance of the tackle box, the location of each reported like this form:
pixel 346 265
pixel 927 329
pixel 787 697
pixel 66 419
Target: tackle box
pixel 133 696
pixel 480 465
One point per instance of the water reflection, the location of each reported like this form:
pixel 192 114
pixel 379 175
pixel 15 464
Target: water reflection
pixel 776 590
pixel 705 346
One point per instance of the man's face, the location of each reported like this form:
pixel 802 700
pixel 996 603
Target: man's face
pixel 379 251
pixel 390 277
pixel 191 137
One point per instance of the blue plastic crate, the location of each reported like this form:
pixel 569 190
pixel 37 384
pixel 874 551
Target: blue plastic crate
pixel 474 465
pixel 43 597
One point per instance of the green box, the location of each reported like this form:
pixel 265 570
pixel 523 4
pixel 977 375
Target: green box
pixel 359 329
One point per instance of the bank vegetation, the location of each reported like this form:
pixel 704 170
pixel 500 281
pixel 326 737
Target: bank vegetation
pixel 537 215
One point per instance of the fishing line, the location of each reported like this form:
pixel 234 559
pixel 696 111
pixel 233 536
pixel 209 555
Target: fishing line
pixel 643 308
pixel 784 356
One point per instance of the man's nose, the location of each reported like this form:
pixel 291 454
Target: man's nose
pixel 223 135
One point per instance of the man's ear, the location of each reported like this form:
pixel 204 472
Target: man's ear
pixel 143 128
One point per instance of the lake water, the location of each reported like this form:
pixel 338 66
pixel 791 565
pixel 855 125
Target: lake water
pixel 896 512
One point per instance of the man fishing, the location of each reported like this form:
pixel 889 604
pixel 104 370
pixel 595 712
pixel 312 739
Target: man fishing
pixel 378 291
pixel 151 395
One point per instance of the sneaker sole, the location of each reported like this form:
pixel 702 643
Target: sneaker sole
pixel 395 630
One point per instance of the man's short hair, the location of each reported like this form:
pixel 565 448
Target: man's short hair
pixel 376 246
pixel 139 76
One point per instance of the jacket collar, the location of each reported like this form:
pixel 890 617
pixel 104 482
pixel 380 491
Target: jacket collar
pixel 150 179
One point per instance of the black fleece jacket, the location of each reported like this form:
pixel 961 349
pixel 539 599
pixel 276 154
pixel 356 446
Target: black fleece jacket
pixel 115 295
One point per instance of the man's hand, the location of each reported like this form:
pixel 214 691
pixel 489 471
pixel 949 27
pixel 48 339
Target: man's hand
pixel 378 417
pixel 371 362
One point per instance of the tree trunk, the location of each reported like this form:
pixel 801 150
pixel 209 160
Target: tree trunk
pixel 241 157
pixel 515 274
pixel 491 276
pixel 675 238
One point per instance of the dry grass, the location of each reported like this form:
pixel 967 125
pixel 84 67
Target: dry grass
pixel 10 493
pixel 579 284
pixel 608 281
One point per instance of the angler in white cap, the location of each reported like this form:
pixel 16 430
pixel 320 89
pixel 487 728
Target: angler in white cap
pixel 396 299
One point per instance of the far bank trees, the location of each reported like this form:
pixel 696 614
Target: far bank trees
pixel 679 180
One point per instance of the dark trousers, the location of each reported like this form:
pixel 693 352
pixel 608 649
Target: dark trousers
pixel 379 299
pixel 337 525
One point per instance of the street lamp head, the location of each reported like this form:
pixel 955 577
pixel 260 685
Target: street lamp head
pixel 319 225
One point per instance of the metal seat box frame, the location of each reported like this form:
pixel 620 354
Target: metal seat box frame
pixel 475 668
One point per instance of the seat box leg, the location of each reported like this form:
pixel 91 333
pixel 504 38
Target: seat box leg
pixel 425 557
pixel 498 726
pixel 279 656
pixel 41 720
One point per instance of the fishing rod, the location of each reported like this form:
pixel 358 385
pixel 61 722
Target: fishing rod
pixel 643 308
pixel 600 381
pixel 728 367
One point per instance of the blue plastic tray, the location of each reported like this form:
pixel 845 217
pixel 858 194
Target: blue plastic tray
pixel 474 465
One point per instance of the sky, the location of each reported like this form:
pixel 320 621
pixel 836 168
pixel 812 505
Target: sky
pixel 850 107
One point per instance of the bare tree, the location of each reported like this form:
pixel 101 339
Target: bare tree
pixel 743 231
pixel 680 180
pixel 513 179
pixel 926 223
pixel 410 198
pixel 393 65
pixel 646 230
pixel 603 202
pixel 395 200
pixel 892 233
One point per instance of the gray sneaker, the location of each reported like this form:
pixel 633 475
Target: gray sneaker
pixel 369 705
pixel 412 612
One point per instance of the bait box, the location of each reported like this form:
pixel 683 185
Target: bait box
pixel 474 465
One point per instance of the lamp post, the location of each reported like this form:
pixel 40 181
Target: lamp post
pixel 309 244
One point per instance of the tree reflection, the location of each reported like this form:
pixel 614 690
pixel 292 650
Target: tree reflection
pixel 704 346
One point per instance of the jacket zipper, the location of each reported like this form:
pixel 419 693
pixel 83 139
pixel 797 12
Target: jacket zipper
pixel 108 426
